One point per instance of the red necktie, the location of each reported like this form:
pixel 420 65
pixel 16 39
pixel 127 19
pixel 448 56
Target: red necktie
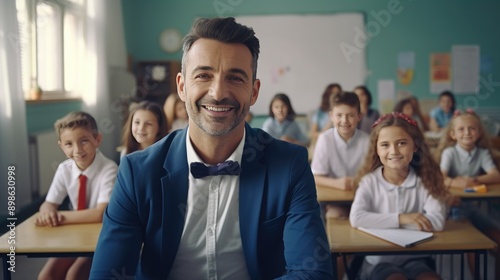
pixel 82 193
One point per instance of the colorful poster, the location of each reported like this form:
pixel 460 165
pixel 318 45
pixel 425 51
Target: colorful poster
pixel 386 95
pixel 406 67
pixel 440 72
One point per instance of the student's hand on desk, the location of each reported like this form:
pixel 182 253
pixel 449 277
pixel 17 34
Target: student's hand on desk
pixel 418 219
pixel 345 183
pixel 463 182
pixel 49 219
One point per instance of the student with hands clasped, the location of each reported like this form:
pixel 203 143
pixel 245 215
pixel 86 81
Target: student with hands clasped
pixel 340 151
pixel 218 199
pixel 465 155
pixel 87 177
pixel 281 122
pixel 400 186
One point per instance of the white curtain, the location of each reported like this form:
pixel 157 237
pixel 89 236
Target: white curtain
pixel 13 133
pixel 106 53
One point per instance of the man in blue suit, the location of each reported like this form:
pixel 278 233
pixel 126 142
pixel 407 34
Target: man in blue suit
pixel 217 200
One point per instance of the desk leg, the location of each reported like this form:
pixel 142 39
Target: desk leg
pixel 461 265
pixel 6 272
pixel 477 270
pixel 485 266
pixel 334 266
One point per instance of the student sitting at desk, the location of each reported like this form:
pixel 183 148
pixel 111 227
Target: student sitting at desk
pixel 368 114
pixel 399 186
pixel 465 156
pixel 281 122
pixel 320 119
pixel 339 151
pixel 87 177
pixel 145 125
pixel 441 115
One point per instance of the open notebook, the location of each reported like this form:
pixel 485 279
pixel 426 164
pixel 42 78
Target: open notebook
pixel 402 237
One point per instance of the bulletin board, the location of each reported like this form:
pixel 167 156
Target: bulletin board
pixel 301 54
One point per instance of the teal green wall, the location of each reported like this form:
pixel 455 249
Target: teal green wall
pixel 422 26
pixel 41 116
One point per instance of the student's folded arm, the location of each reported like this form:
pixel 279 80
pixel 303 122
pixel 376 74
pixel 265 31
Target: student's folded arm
pixel 435 212
pixel 121 236
pixel 307 253
pixel 491 177
pixel 324 180
pixel 363 212
pixel 91 215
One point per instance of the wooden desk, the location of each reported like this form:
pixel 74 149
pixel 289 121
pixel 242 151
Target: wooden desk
pixel 492 193
pixel 327 194
pixel 458 237
pixel 63 241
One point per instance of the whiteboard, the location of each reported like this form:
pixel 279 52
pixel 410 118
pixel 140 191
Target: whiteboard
pixel 301 54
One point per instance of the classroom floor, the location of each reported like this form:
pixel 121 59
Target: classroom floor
pixel 28 268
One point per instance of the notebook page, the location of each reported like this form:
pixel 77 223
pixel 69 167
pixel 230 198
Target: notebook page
pixel 399 236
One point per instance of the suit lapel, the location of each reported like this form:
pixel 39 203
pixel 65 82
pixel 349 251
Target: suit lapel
pixel 252 181
pixel 175 185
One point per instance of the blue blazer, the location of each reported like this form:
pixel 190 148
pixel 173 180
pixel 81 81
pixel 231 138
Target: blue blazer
pixel 282 233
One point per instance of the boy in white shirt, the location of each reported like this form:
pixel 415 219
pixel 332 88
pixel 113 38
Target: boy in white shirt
pixel 87 177
pixel 339 151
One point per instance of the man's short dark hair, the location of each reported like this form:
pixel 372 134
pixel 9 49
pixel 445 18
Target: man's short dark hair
pixel 225 30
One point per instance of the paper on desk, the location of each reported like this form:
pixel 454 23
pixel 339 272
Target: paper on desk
pixel 402 237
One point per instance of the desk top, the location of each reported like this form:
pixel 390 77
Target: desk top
pixel 493 192
pixel 456 236
pixel 327 194
pixel 61 239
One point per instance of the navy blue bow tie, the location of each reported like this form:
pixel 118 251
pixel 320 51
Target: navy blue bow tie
pixel 200 170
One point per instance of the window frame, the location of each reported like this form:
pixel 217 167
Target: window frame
pixel 31 44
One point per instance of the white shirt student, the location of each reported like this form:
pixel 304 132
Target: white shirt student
pixel 100 174
pixel 335 158
pixel 391 200
pixel 459 162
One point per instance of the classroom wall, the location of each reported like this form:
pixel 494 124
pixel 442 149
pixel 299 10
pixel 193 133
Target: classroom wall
pixel 41 117
pixel 423 27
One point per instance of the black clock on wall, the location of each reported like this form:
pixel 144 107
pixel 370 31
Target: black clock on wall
pixel 155 80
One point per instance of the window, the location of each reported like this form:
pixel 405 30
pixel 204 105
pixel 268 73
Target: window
pixel 52 46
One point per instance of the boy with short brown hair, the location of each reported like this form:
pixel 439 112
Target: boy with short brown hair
pixel 87 177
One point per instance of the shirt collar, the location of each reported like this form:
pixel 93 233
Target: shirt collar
pixel 339 138
pixel 463 154
pixel 89 171
pixel 409 182
pixel 192 156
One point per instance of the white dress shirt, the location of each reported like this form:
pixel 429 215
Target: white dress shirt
pixel 458 162
pixel 101 175
pixel 210 246
pixel 378 203
pixel 336 158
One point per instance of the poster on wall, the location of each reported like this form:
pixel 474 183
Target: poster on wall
pixel 406 67
pixel 440 72
pixel 466 67
pixel 386 95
